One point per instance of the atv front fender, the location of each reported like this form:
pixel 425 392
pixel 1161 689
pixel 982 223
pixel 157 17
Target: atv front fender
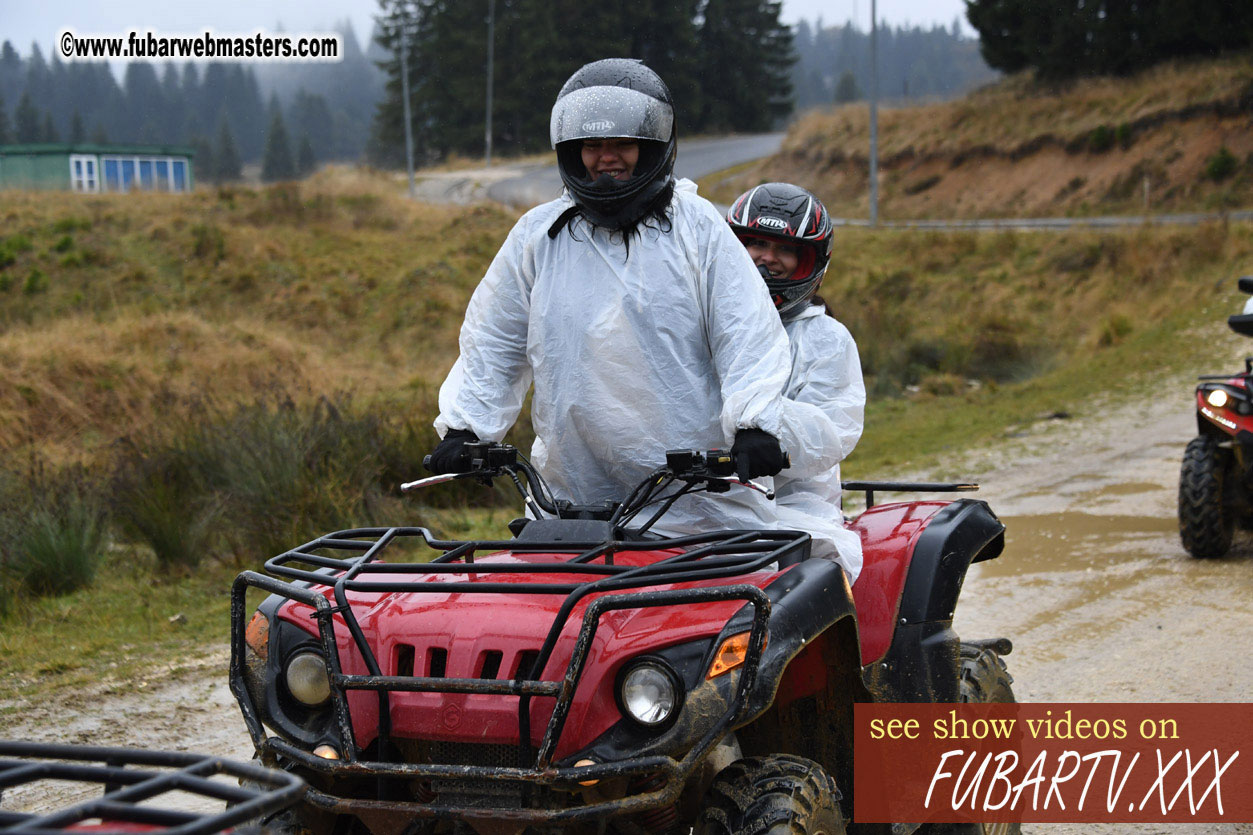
pixel 922 661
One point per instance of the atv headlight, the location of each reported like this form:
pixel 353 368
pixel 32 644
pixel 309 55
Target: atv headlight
pixel 307 679
pixel 1217 398
pixel 650 693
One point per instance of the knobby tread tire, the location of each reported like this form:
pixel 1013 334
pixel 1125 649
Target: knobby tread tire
pixel 983 677
pixel 984 680
pixel 1206 525
pixel 774 795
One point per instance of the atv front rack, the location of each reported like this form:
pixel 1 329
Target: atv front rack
pixel 699 558
pixel 133 783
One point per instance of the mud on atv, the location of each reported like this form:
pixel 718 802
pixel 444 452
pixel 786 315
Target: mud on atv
pixel 587 676
pixel 137 790
pixel 1216 478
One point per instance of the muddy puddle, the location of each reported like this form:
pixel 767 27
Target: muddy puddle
pixel 1111 608
pixel 1065 542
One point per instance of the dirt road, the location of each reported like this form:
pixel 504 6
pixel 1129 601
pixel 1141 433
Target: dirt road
pixel 1094 588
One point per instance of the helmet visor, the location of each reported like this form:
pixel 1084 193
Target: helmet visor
pixel 604 112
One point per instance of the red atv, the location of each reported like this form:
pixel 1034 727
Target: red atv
pixel 1216 480
pixel 588 676
pixel 139 790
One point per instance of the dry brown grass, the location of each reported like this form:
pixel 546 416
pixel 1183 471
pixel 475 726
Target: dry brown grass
pixel 1018 110
pixel 337 284
pixel 1020 148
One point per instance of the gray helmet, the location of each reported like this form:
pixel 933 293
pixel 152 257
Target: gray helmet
pixel 615 98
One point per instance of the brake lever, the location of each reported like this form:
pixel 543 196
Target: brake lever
pixel 437 479
pixel 751 485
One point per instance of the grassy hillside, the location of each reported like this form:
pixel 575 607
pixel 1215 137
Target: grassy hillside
pixel 117 310
pixel 1022 148
pixel 193 382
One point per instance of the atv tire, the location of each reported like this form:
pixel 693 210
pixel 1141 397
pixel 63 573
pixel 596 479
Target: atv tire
pixel 984 680
pixel 774 795
pixel 1206 524
pixel 983 677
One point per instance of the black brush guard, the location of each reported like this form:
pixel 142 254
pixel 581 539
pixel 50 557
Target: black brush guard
pixel 133 782
pixel 706 557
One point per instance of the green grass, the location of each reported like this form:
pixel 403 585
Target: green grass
pixel 118 628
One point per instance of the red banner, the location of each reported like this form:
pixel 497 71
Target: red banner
pixel 1053 763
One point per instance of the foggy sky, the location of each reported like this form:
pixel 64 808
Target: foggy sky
pixel 24 21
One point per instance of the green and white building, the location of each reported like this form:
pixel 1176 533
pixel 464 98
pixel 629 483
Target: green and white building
pixel 92 168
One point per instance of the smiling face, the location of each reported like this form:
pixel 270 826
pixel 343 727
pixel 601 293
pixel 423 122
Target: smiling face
pixel 615 157
pixel 779 258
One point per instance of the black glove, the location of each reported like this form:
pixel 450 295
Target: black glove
pixel 757 453
pixel 451 456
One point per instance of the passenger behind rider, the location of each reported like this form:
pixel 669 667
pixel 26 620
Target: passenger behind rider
pixel 788 234
pixel 637 314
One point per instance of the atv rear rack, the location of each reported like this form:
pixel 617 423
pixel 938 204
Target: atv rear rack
pixel 133 782
pixel 698 558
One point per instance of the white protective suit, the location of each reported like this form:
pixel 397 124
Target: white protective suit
pixel 675 345
pixel 823 414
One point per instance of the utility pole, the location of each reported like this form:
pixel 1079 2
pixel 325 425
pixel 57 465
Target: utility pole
pixel 491 24
pixel 874 115
pixel 404 88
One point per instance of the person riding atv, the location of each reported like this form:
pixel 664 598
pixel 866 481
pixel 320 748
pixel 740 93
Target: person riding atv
pixel 639 318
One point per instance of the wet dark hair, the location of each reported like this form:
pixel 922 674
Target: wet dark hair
pixel 656 216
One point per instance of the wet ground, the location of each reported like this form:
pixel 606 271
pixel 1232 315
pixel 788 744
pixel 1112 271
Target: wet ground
pixel 1094 589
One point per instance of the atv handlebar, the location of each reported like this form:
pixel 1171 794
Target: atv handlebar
pixel 711 470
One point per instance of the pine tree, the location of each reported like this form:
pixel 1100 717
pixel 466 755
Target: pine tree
pixel 749 51
pixel 99 135
pixel 277 163
pixel 6 133
pixel 847 89
pixel 306 162
pixel 309 115
pixel 204 166
pixel 227 167
pixel 26 121
pixel 48 131
pixel 1064 38
pixel 77 132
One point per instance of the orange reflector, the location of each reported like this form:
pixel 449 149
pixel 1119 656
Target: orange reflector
pixel 326 752
pixel 730 655
pixel 257 635
pixel 584 764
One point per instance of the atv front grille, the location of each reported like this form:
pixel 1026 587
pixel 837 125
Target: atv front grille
pixel 469 792
pixel 481 753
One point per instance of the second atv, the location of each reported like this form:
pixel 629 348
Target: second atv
pixel 1216 479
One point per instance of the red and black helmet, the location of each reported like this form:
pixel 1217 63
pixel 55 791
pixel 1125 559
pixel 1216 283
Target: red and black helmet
pixel 788 213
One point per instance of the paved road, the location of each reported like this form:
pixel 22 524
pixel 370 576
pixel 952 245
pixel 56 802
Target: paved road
pixel 1046 223
pixel 697 158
